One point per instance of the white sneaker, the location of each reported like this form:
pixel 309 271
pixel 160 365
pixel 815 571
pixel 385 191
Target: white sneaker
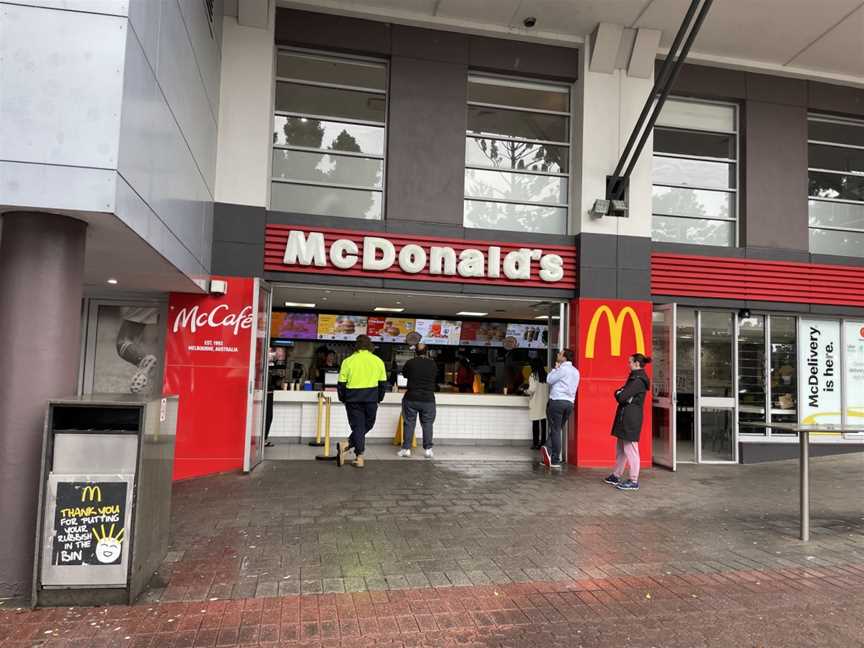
pixel 403 453
pixel 429 454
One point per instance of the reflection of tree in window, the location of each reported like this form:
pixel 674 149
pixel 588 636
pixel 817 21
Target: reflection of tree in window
pixel 527 188
pixel 667 201
pixel 332 169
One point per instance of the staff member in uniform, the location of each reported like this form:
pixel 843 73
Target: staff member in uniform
pixel 421 372
pixel 362 385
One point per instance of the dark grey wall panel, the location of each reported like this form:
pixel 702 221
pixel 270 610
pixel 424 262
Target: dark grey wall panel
pixel 836 98
pixel 772 89
pixel 332 32
pixel 239 223
pixel 775 213
pixel 426 141
pixel 333 222
pixel 709 82
pixel 238 259
pixel 633 284
pixel 498 54
pixel 430 44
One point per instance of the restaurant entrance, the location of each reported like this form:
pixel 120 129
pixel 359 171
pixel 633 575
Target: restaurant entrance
pixel 485 347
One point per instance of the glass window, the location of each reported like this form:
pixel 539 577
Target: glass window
pixel 682 113
pixel 514 217
pixel 319 153
pixel 517 151
pixel 325 201
pixel 716 354
pixel 784 363
pixel 751 372
pixel 694 173
pixel 836 186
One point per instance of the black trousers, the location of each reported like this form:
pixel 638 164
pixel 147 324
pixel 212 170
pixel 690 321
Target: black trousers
pixel 538 432
pixel 268 414
pixel 361 419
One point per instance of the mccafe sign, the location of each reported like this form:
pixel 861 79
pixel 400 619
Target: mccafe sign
pixel 396 256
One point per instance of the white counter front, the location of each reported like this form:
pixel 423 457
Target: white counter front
pixel 461 418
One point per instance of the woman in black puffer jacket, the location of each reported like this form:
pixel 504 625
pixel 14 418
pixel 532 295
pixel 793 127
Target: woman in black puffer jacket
pixel 628 423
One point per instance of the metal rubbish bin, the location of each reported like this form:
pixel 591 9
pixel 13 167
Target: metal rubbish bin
pixel 105 498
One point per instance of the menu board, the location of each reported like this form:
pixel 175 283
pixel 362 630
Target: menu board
pixel 483 333
pixel 341 327
pixel 89 523
pixel 439 331
pixel 295 326
pixel 375 326
pixel 529 336
pixel 396 328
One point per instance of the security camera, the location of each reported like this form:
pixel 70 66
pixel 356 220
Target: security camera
pixel 529 22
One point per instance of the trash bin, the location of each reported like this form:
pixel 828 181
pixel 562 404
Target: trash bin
pixel 105 498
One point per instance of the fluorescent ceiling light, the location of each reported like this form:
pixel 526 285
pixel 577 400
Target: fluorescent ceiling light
pixel 471 314
pixel 299 305
pixel 385 309
pixel 113 281
pixel 543 317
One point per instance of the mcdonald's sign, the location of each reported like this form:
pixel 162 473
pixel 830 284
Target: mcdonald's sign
pixel 91 493
pixel 615 324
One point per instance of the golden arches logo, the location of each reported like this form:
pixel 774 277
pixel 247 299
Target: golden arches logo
pixel 92 493
pixel 616 330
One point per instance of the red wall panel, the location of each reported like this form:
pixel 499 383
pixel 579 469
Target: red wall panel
pixel 277 237
pixel 748 279
pixel 207 360
pixel 602 361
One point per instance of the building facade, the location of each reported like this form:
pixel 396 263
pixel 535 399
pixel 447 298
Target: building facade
pixel 173 172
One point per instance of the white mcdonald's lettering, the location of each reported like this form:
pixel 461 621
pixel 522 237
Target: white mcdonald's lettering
pixel 379 254
pixel 193 319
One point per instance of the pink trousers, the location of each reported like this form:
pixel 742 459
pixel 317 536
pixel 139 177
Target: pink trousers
pixel 627 453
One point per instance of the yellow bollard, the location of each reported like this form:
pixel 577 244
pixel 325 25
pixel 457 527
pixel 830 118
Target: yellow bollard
pixel 326 402
pixel 317 442
pixel 327 427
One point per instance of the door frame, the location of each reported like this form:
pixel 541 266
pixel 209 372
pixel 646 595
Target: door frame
pixel 672 400
pixel 715 402
pixel 250 461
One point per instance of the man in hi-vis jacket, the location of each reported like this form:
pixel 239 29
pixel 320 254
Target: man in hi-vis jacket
pixel 362 385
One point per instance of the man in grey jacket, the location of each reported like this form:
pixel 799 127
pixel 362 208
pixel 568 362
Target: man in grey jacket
pixel 563 382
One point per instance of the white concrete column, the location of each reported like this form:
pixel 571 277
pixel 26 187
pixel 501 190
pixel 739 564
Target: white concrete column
pixel 246 113
pixel 608 107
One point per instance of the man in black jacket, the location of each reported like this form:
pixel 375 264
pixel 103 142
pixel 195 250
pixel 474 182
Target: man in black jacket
pixel 421 372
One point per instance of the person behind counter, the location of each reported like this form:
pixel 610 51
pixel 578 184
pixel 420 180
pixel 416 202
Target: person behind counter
pixel 464 377
pixel 538 399
pixel 563 382
pixel 421 372
pixel 362 385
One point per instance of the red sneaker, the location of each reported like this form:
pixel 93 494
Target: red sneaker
pixel 545 456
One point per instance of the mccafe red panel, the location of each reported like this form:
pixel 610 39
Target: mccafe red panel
pixel 386 255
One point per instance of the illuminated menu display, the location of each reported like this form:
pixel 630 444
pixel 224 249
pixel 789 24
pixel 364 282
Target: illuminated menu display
pixel 439 331
pixel 341 327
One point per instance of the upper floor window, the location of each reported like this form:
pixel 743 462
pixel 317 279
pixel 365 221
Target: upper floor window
pixel 517 155
pixel 836 186
pixel 695 167
pixel 329 135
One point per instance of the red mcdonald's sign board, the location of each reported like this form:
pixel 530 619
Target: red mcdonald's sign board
pixel 604 333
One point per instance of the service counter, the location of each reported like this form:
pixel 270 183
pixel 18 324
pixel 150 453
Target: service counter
pixel 461 418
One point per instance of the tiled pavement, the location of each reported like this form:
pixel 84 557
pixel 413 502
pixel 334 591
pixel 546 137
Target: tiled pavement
pixel 436 554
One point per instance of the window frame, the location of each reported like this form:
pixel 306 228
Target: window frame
pixel 273 146
pixel 523 82
pixel 735 190
pixel 832 119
